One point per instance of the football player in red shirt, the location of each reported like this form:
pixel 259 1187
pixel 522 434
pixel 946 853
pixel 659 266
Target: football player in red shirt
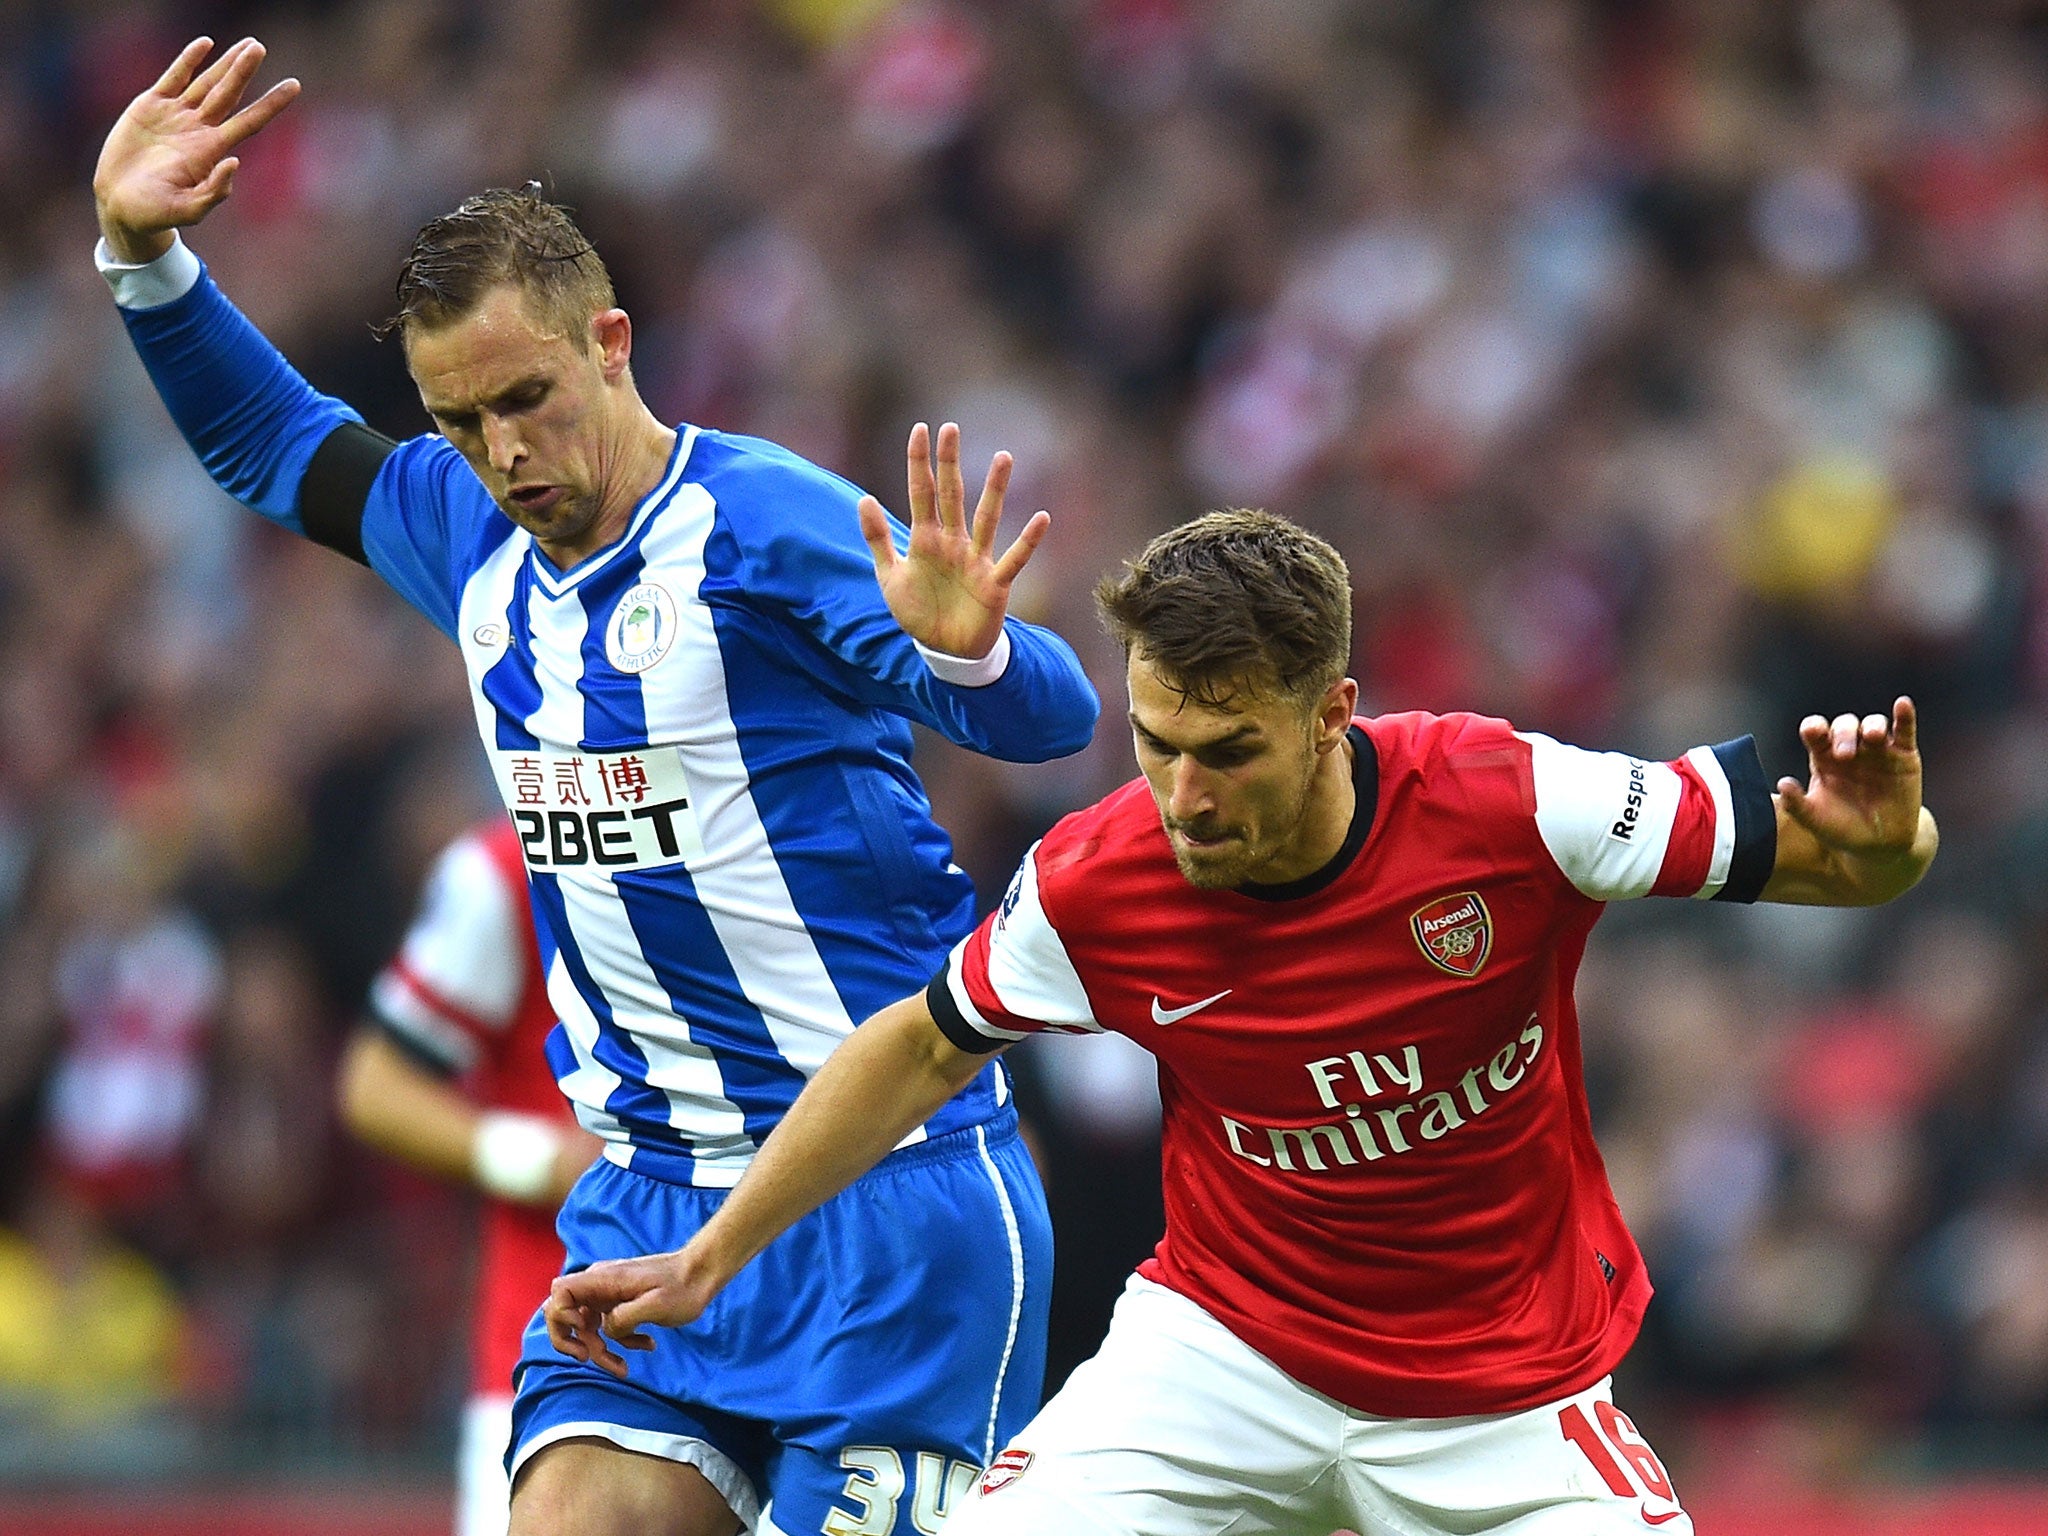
pixel 1394 1281
pixel 464 998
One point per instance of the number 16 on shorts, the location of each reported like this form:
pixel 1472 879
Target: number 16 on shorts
pixel 1622 1457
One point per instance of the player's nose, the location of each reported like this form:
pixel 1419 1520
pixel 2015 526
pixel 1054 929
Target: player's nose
pixel 1190 793
pixel 502 445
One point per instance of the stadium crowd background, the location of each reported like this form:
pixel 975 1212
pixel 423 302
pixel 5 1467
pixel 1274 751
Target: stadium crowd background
pixel 1665 370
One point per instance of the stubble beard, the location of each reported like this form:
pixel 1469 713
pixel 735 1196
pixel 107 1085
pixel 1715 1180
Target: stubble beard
pixel 1223 872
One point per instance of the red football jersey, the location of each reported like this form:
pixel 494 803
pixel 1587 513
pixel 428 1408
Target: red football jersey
pixel 465 992
pixel 1378 1163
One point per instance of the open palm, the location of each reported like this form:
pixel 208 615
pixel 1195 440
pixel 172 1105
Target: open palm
pixel 169 161
pixel 948 590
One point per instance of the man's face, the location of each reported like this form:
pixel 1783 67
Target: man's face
pixel 1231 781
pixel 530 409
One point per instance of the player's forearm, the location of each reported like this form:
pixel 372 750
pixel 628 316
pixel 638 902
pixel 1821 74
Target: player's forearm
pixel 1811 874
pixel 254 422
pixel 890 1074
pixel 396 1108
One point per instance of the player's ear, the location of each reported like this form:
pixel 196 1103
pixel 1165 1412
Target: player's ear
pixel 611 332
pixel 1333 714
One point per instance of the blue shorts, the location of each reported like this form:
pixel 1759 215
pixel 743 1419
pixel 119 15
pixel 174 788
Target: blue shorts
pixel 855 1377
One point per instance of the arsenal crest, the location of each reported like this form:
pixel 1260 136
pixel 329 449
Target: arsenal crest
pixel 1004 1470
pixel 1456 932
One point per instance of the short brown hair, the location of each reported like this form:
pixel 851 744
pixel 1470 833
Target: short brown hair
pixel 506 235
pixel 1235 601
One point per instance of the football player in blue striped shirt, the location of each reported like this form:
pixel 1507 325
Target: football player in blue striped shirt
pixel 693 657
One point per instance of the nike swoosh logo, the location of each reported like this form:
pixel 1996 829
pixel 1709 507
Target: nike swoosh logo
pixel 1668 1515
pixel 1173 1015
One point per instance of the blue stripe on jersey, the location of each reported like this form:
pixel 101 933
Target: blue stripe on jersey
pixel 614 709
pixel 676 936
pixel 672 926
pixel 632 1101
pixel 513 685
pixel 917 903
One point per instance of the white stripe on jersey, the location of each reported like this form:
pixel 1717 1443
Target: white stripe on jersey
pixel 1028 967
pixel 739 884
pixel 592 1082
pixel 557 627
pixel 678 1067
pixel 1709 768
pixel 480 622
pixel 1606 817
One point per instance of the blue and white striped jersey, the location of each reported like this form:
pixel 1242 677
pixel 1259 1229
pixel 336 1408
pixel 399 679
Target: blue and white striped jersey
pixel 700 733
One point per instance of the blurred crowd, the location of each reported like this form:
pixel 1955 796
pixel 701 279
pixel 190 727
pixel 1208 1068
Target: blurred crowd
pixel 1666 370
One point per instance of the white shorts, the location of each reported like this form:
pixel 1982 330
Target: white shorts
pixel 1178 1428
pixel 483 1495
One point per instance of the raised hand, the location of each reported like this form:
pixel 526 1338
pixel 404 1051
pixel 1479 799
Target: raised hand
pixel 1863 791
pixel 168 160
pixel 949 592
pixel 619 1297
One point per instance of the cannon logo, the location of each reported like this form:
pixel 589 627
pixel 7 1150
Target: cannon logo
pixel 1004 1470
pixel 1455 932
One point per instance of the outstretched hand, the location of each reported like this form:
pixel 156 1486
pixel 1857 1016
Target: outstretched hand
pixel 619 1297
pixel 949 592
pixel 168 160
pixel 1862 795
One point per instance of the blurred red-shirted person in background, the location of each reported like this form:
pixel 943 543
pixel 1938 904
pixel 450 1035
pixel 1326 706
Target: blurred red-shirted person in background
pixel 464 1002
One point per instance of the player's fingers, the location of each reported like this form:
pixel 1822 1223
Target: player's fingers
pixel 1019 554
pixel 1792 796
pixel 952 491
pixel 602 1355
pixel 219 182
pixel 172 81
pixel 1875 730
pixel 874 527
pixel 221 97
pixel 260 111
pixel 201 85
pixel 918 454
pixel 1842 735
pixel 623 1329
pixel 988 512
pixel 564 1332
pixel 1905 725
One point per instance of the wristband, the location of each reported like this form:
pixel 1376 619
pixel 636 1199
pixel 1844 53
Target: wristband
pixel 149 284
pixel 513 1156
pixel 968 671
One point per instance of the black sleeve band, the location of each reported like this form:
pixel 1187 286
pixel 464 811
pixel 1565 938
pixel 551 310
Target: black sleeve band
pixel 415 1049
pixel 337 486
pixel 953 1023
pixel 1756 821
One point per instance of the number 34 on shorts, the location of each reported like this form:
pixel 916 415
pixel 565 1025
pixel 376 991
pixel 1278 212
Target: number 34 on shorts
pixel 878 1484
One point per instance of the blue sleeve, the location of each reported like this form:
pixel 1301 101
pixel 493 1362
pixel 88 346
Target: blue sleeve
pixel 800 555
pixel 256 424
pixel 253 421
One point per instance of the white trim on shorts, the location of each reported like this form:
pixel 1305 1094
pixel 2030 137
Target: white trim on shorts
pixel 1010 1229
pixel 719 1469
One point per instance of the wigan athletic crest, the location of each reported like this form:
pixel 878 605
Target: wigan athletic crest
pixel 1455 932
pixel 642 629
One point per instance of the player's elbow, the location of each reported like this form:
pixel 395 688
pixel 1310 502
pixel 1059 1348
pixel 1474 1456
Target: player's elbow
pixel 1046 740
